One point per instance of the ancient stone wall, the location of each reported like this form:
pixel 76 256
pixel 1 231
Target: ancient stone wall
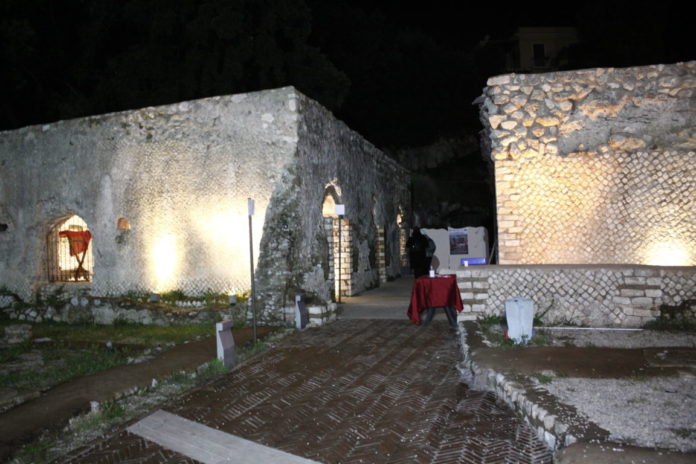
pixel 595 296
pixel 374 190
pixel 594 166
pixel 180 175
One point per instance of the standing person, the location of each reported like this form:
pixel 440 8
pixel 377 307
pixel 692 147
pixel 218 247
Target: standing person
pixel 417 245
pixel 429 251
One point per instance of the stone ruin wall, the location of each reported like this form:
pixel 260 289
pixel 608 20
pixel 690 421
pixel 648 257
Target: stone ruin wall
pixel 181 175
pixel 594 166
pixel 374 189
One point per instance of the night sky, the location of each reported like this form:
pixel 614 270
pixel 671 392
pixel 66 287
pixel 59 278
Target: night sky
pixel 401 74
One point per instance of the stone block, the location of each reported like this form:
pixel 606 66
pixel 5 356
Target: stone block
pixel 653 293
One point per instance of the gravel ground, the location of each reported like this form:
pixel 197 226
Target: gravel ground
pixel 648 412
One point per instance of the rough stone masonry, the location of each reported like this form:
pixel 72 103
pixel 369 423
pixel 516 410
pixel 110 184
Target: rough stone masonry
pixel 164 190
pixel 594 166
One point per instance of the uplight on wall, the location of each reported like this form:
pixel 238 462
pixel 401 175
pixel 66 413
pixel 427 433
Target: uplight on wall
pixel 164 262
pixel 668 253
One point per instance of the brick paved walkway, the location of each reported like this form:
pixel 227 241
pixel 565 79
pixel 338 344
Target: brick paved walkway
pixel 355 391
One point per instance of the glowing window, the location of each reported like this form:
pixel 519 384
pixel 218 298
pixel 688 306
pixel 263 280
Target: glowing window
pixel 123 224
pixel 69 252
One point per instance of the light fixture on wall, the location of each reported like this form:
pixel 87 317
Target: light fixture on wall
pixel 668 253
pixel 123 224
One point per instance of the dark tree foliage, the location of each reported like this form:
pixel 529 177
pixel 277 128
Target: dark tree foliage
pixel 78 57
pixel 400 74
pixel 406 88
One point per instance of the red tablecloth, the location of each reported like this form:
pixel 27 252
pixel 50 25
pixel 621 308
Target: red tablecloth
pixel 433 292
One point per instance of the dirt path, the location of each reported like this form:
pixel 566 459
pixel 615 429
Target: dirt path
pixel 53 409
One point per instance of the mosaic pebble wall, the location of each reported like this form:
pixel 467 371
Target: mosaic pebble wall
pixel 624 296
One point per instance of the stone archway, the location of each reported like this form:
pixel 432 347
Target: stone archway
pixel 338 236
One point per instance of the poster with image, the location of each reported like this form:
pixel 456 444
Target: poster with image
pixel 459 241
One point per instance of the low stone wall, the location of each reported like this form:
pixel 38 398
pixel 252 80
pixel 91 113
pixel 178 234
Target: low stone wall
pixel 592 295
pixel 81 307
pixel 88 309
pixel 550 429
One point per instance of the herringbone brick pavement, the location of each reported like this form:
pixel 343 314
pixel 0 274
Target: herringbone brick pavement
pixel 358 391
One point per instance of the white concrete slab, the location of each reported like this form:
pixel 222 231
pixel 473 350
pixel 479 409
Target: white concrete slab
pixel 205 444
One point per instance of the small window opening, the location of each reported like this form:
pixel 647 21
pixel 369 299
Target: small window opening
pixel 3 227
pixel 123 224
pixel 69 257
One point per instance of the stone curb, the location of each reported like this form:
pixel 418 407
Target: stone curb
pixel 548 427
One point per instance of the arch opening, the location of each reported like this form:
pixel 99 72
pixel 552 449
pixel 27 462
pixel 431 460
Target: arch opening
pixel 69 251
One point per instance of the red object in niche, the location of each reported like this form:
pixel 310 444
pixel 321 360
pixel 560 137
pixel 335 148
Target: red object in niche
pixel 433 292
pixel 78 240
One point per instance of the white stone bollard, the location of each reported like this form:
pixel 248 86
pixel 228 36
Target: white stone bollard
pixel 225 344
pixel 519 313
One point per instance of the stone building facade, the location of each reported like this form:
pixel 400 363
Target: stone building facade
pixel 163 193
pixel 594 166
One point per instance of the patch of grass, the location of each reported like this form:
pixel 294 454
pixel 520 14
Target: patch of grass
pixel 487 322
pixel 542 378
pixel 498 339
pixel 62 363
pixel 564 322
pixel 677 324
pixel 540 340
pixel 213 369
pixel 56 298
pixel 173 296
pixel 137 295
pixel 111 410
pixel 215 298
pixel 12 352
pixel 179 377
pixel 684 433
pixel 35 453
pixel 123 331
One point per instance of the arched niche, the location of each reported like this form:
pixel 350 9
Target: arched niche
pixel 69 251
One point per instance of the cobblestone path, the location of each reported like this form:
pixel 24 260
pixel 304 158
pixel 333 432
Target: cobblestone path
pixel 355 391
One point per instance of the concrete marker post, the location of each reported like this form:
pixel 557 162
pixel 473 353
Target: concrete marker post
pixel 250 205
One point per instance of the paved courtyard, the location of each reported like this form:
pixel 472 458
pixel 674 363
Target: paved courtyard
pixel 354 391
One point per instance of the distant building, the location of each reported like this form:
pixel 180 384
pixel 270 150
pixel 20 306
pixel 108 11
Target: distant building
pixel 540 49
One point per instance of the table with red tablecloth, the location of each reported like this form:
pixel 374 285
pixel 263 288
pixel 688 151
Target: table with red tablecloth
pixel 440 291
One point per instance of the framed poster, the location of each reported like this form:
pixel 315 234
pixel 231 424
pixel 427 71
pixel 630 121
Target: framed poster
pixel 459 241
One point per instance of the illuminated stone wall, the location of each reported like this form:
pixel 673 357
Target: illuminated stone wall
pixel 590 295
pixel 374 190
pixel 594 166
pixel 181 175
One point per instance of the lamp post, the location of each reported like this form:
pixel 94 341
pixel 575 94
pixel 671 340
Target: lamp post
pixel 340 212
pixel 250 205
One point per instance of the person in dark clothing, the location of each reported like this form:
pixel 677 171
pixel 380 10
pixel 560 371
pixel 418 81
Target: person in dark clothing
pixel 417 245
